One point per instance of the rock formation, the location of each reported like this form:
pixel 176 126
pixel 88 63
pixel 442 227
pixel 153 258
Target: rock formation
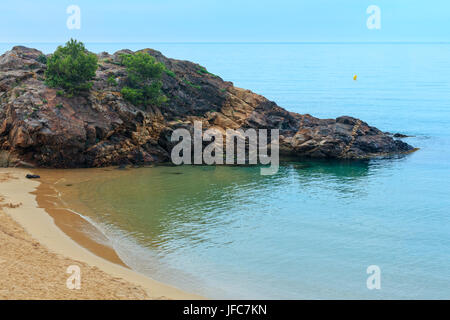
pixel 40 127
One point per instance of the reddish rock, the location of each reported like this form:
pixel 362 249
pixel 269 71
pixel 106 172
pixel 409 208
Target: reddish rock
pixel 100 128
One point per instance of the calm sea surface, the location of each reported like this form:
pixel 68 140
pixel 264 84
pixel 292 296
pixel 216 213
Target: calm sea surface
pixel 312 230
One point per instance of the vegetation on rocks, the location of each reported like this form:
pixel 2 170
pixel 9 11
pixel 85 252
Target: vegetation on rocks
pixel 144 80
pixel 170 73
pixel 42 127
pixel 203 71
pixel 42 58
pixel 196 86
pixel 71 67
pixel 112 81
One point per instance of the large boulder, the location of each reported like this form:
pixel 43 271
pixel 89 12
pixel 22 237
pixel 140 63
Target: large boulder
pixel 100 128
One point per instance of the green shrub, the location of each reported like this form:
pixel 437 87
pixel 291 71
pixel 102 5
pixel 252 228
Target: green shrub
pixel 203 71
pixel 143 82
pixel 71 67
pixel 42 59
pixel 134 96
pixel 59 106
pixel 144 96
pixel 112 81
pixel 60 93
pixel 170 73
pixel 196 86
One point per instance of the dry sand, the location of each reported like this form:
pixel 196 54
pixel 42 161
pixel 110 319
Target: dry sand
pixel 35 255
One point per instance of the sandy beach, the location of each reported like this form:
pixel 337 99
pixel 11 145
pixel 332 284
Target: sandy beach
pixel 37 247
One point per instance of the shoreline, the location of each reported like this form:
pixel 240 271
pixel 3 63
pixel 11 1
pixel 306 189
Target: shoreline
pixel 74 225
pixel 31 214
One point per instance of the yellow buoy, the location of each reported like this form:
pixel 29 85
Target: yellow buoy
pixel 355 77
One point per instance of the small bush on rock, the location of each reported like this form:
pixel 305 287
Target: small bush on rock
pixel 112 80
pixel 42 59
pixel 143 83
pixel 71 67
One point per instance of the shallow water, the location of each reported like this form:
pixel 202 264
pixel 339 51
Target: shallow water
pixel 311 230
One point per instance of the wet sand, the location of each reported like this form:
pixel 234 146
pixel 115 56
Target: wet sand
pixel 40 238
pixel 72 224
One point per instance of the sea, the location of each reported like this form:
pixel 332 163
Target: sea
pixel 316 229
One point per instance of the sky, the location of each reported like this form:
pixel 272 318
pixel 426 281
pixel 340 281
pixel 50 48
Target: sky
pixel 25 21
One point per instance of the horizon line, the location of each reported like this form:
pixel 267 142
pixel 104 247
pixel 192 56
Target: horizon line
pixel 235 42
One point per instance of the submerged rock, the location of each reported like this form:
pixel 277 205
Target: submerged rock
pixel 100 128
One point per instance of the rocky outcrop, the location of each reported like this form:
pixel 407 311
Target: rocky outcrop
pixel 99 128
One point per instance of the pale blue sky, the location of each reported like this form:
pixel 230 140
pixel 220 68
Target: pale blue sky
pixel 224 21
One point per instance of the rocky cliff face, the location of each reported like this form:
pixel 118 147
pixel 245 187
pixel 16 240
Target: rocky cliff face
pixel 99 128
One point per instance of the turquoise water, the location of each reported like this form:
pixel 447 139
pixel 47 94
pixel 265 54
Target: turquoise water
pixel 311 230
